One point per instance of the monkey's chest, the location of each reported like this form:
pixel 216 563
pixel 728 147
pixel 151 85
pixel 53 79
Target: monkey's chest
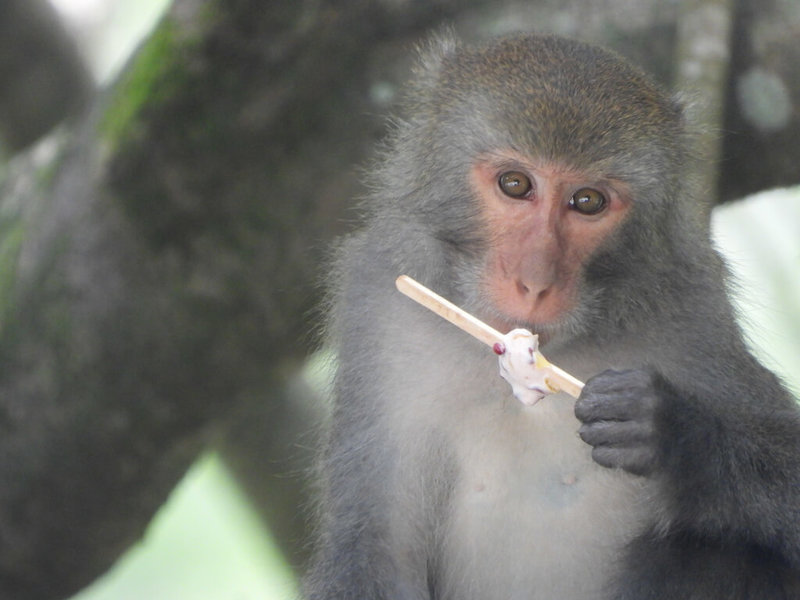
pixel 533 516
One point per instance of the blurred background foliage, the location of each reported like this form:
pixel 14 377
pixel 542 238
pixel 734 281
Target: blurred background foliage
pixel 206 543
pixel 760 238
pixel 210 540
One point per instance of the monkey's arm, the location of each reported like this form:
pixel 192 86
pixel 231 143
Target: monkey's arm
pixel 727 455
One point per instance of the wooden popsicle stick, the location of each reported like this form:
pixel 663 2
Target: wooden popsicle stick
pixel 559 379
pixel 449 311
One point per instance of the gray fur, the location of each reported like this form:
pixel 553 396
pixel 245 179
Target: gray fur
pixel 437 483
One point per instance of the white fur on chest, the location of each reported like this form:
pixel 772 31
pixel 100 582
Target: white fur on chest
pixel 532 515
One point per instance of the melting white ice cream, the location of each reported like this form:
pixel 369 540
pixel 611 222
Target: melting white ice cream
pixel 520 367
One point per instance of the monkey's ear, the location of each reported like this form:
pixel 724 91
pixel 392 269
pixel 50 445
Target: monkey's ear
pixel 432 54
pixel 688 107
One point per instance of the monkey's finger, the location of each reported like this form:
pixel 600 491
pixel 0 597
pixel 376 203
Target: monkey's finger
pixel 638 460
pixel 632 405
pixel 619 382
pixel 616 433
pixel 592 406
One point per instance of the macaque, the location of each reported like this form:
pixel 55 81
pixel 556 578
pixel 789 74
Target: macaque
pixel 547 184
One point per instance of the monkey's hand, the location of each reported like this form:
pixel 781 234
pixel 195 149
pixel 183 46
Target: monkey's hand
pixel 618 409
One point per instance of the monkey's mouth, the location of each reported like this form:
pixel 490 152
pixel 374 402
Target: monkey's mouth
pixel 502 306
pixel 546 325
pixel 567 326
pixel 504 324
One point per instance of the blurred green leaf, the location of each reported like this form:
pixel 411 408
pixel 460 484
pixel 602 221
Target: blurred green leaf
pixel 760 238
pixel 206 543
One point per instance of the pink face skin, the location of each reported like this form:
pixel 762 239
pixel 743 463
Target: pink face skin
pixel 540 241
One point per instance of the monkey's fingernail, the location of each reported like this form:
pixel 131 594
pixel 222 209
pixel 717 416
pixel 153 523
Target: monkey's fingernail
pixel 499 348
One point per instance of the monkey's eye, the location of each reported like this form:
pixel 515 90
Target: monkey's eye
pixel 588 201
pixel 515 184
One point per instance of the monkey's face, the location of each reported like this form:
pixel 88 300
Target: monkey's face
pixel 542 166
pixel 543 223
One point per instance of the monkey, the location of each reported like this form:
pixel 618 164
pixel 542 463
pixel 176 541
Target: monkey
pixel 545 183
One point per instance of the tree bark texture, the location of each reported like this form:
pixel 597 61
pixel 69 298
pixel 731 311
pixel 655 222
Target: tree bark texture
pixel 42 77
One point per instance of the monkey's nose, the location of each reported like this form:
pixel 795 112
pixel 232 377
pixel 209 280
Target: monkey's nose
pixel 532 293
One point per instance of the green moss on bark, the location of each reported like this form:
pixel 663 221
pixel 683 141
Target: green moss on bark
pixel 156 75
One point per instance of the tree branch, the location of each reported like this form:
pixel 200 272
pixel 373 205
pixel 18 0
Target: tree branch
pixel 703 57
pixel 42 77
